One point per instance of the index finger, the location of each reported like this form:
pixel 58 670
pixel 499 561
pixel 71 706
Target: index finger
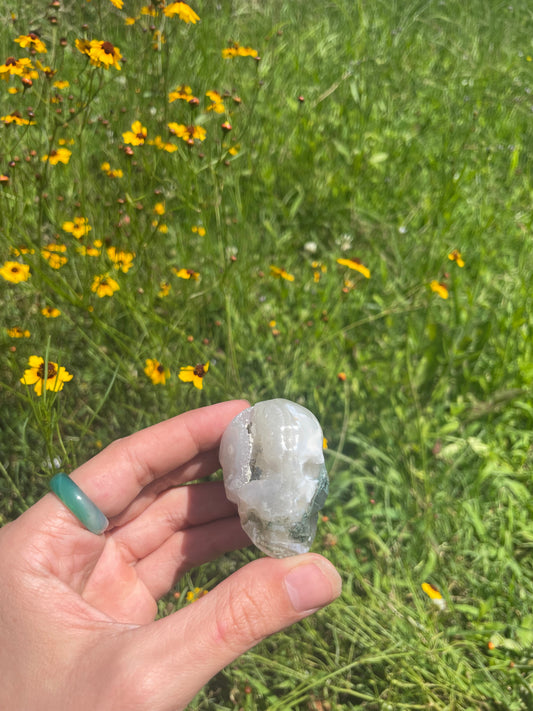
pixel 115 476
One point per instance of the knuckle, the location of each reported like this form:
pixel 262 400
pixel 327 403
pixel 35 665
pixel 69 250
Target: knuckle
pixel 242 622
pixel 129 459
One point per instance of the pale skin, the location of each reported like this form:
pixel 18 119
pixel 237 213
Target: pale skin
pixel 77 610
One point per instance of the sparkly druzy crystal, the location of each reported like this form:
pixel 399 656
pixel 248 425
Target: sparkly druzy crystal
pixel 273 464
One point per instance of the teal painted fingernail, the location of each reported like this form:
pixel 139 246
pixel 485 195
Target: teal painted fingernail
pixel 79 503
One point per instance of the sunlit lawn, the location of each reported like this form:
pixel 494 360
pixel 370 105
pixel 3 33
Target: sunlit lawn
pixel 329 202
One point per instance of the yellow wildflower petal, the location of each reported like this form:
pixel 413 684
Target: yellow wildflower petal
pixel 455 256
pixel 356 265
pixel 439 289
pixel 186 374
pixel 434 595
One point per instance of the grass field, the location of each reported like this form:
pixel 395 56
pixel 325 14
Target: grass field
pixel 393 136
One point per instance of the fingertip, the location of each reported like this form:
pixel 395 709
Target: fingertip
pixel 312 583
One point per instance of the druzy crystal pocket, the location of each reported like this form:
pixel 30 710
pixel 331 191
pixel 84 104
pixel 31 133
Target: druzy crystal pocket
pixel 273 464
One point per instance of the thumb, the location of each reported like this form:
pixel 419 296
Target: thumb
pixel 180 653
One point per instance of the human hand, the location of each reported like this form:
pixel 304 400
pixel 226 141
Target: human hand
pixel 77 610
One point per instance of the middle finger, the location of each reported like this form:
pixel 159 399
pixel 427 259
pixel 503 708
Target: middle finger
pixel 174 510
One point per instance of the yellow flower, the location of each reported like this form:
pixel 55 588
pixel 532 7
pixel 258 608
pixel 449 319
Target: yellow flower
pixel 246 52
pixel 61 84
pixel 164 289
pixel 17 332
pixel 356 265
pixel 79 227
pixel 18 251
pixel 54 378
pixel 159 208
pixel 157 373
pixel 186 273
pixel 235 50
pixel 16 118
pixel 93 251
pixel 122 260
pixel 137 135
pixel 15 67
pixel 15 272
pixel 196 594
pixel 56 261
pixel 194 374
pixel 158 40
pixel 104 54
pixel 104 285
pixel 100 52
pixel 439 288
pixel 318 270
pixel 33 41
pixel 183 92
pixel 199 230
pixel 50 312
pixel 217 104
pixel 188 133
pixel 47 71
pixel 162 228
pixel 59 155
pixel 162 145
pixel 111 173
pixel 130 20
pixel 118 3
pixel 182 10
pixel 50 253
pixel 280 273
pixel 434 595
pixel 455 256
pixel 349 285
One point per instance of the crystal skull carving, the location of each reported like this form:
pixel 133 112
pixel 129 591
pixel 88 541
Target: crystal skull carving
pixel 273 464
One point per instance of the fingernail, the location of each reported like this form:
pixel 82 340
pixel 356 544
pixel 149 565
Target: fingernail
pixel 309 587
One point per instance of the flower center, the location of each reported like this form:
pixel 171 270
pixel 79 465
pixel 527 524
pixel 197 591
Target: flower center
pixel 108 47
pixel 199 370
pixel 52 371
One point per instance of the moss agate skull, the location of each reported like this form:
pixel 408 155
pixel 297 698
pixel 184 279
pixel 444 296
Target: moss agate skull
pixel 273 464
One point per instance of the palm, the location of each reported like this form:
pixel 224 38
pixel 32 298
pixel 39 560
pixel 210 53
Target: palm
pixel 97 571
pixel 123 573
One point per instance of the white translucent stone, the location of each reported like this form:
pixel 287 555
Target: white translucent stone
pixel 273 464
